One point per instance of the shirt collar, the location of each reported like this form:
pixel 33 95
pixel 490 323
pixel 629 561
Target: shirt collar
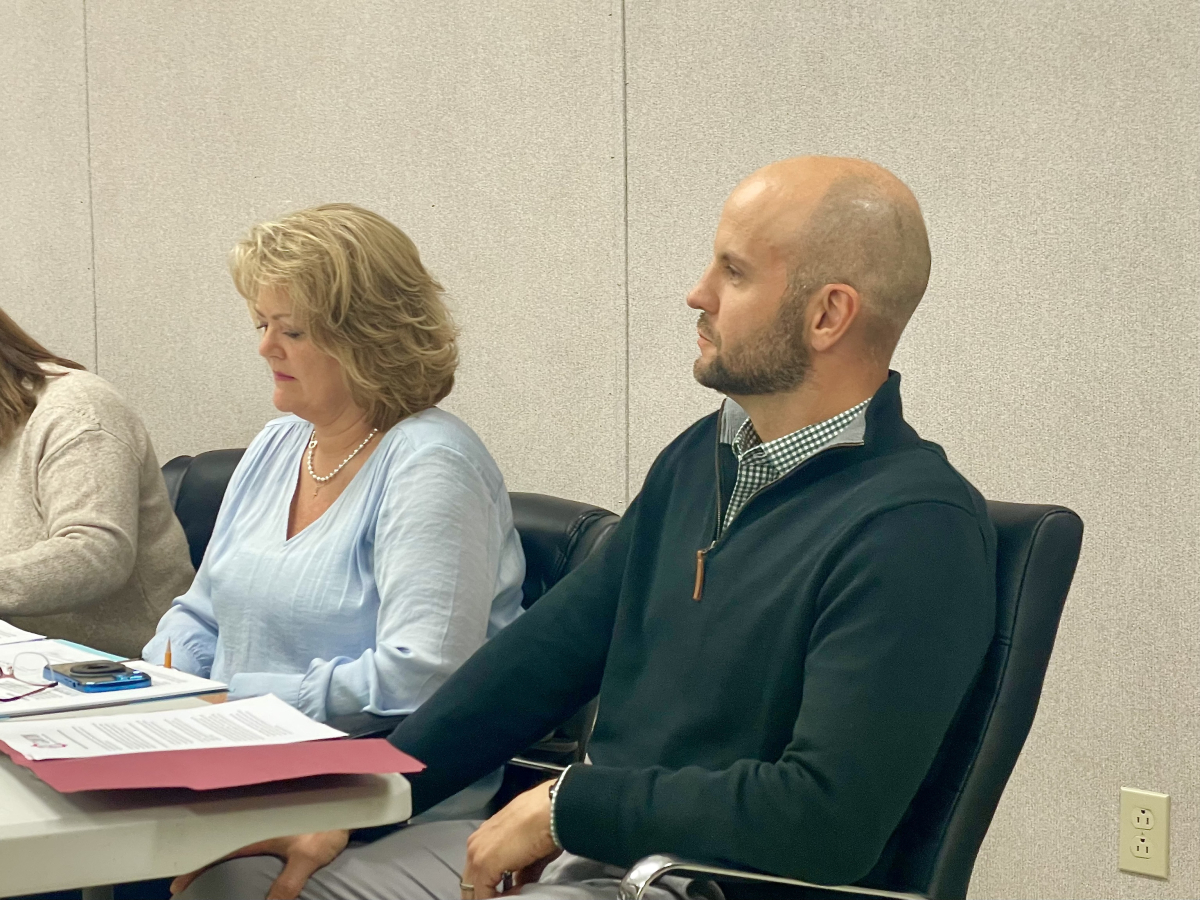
pixel 734 420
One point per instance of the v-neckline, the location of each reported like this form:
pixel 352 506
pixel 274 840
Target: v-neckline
pixel 295 483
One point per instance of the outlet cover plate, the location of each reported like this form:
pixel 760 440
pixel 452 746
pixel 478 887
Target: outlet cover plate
pixel 1145 824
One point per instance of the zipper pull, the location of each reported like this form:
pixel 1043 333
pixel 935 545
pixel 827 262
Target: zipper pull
pixel 699 589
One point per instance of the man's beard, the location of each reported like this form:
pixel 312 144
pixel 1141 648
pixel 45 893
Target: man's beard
pixel 774 360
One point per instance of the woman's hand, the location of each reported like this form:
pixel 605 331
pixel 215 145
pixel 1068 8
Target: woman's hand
pixel 302 854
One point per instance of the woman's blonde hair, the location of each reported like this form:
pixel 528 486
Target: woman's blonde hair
pixel 21 375
pixel 358 287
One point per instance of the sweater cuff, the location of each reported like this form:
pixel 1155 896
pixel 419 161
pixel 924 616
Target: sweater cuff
pixel 553 798
pixel 255 684
pixel 587 812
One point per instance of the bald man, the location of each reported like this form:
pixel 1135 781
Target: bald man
pixel 780 630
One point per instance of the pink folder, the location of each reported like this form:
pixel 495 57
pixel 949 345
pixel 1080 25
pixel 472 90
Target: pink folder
pixel 222 767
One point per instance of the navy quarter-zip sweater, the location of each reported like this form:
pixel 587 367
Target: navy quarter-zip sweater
pixel 783 721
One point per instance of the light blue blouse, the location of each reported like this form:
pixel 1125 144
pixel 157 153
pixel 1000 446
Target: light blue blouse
pixel 373 605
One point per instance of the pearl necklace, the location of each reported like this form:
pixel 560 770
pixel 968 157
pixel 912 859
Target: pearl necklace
pixel 312 445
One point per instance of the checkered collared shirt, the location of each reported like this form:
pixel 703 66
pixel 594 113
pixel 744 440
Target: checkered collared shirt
pixel 760 464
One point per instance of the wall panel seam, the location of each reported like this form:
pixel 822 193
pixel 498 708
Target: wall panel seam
pixel 625 228
pixel 87 112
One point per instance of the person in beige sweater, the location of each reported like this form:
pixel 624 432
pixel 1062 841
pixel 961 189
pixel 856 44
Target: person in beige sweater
pixel 90 549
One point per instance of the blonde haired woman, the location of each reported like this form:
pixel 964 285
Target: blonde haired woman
pixel 90 549
pixel 365 546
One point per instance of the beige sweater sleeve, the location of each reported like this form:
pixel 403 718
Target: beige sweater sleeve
pixel 87 486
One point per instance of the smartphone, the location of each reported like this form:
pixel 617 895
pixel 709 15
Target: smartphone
pixel 97 675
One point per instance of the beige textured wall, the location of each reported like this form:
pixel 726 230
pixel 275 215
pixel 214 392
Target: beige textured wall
pixel 1055 146
pixel 492 134
pixel 45 231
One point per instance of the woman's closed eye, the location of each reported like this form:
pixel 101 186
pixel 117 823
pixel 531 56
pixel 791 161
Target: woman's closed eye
pixel 294 335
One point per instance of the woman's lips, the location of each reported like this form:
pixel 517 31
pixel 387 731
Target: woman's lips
pixel 279 376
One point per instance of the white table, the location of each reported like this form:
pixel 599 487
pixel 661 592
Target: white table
pixel 51 841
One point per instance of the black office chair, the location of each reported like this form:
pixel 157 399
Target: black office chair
pixel 556 535
pixel 932 852
pixel 196 486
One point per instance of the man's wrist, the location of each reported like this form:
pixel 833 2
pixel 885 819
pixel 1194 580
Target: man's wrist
pixel 553 802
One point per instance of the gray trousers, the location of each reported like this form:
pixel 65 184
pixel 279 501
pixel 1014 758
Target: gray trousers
pixel 423 862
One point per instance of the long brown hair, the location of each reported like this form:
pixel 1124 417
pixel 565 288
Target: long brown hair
pixel 21 375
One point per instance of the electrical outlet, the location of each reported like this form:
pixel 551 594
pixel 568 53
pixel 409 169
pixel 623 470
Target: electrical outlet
pixel 1145 832
pixel 1142 847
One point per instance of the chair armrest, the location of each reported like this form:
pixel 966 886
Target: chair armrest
pixel 536 765
pixel 649 869
pixel 365 724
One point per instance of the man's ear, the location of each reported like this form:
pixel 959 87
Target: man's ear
pixel 831 313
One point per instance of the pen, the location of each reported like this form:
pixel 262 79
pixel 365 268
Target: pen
pixel 167 655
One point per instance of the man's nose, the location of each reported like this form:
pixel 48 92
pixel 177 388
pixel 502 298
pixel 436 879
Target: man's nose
pixel 701 296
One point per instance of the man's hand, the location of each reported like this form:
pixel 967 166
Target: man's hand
pixel 302 854
pixel 516 837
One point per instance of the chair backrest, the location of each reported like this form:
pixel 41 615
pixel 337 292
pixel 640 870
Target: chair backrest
pixel 933 850
pixel 196 486
pixel 556 535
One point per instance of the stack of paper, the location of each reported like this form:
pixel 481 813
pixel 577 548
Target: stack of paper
pixel 225 745
pixel 163 682
pixel 11 634
pixel 242 723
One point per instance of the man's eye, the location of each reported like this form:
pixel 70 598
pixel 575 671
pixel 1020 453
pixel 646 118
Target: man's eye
pixel 733 273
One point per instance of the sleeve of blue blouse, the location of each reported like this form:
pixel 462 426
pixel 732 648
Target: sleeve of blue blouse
pixel 191 627
pixel 436 563
pixel 191 624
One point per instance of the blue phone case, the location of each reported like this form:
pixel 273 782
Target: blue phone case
pixel 131 679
